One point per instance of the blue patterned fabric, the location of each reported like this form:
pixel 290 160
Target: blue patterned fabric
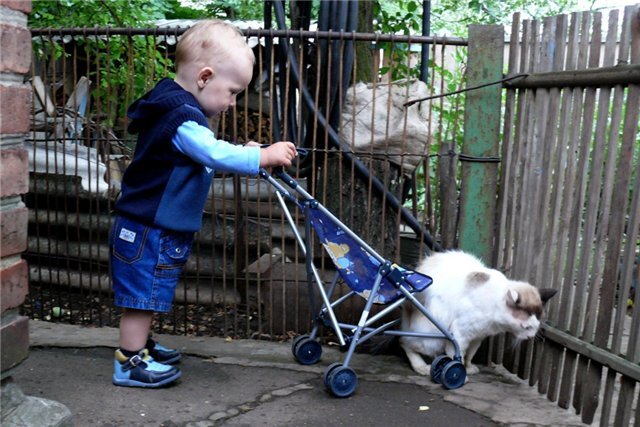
pixel 357 267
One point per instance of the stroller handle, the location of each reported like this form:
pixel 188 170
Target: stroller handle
pixel 280 171
pixel 302 152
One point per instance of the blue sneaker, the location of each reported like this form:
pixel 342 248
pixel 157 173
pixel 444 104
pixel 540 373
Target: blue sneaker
pixel 161 354
pixel 142 371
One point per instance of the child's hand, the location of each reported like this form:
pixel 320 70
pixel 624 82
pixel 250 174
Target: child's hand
pixel 279 154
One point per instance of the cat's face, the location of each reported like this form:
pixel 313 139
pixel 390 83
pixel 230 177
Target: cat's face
pixel 525 305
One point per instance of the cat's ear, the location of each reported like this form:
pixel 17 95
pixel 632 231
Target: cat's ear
pixel 512 297
pixel 546 294
pixel 477 278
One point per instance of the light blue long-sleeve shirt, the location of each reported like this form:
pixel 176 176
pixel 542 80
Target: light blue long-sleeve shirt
pixel 200 144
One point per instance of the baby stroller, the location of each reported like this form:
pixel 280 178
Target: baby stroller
pixel 368 275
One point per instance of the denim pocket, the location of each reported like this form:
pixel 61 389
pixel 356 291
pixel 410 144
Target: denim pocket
pixel 128 240
pixel 174 253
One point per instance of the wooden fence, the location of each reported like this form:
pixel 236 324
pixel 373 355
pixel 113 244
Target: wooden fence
pixel 569 207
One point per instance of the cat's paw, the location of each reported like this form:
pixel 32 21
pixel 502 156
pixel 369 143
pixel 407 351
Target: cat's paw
pixel 472 369
pixel 417 362
pixel 423 369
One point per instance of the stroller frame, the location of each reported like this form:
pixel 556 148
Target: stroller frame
pixel 339 378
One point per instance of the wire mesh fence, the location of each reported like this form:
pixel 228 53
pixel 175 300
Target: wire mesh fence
pixel 371 161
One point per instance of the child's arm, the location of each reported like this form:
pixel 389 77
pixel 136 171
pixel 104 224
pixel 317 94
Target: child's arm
pixel 201 145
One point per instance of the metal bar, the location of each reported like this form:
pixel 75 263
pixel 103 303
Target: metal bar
pixel 393 332
pixel 604 76
pixel 445 332
pixel 426 30
pixel 388 309
pixel 363 319
pixel 337 35
pixel 376 331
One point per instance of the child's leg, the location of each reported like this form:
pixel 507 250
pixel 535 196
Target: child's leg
pixel 134 329
pixel 133 367
pixel 146 263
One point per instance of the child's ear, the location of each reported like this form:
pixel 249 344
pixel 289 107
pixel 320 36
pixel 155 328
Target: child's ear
pixel 204 75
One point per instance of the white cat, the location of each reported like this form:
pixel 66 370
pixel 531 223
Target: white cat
pixel 473 302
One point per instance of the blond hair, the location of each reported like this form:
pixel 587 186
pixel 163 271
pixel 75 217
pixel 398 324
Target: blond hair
pixel 209 40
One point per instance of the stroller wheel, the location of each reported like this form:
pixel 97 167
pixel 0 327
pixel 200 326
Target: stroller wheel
pixel 307 351
pixel 453 375
pixel 328 371
pixel 295 342
pixel 341 381
pixel 437 366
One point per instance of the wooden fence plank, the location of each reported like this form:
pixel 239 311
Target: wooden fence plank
pixel 552 59
pixel 503 253
pixel 563 253
pixel 609 243
pixel 550 145
pixel 506 198
pixel 633 346
pixel 576 290
pixel 568 379
pixel 625 403
pixel 517 160
pixel 584 398
pixel 529 38
pixel 447 176
pixel 582 317
pixel 618 199
pixel 552 53
pixel 521 146
pixel 626 393
pixel 555 250
pixel 629 138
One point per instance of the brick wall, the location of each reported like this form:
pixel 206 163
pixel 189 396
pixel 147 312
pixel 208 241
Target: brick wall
pixel 15 106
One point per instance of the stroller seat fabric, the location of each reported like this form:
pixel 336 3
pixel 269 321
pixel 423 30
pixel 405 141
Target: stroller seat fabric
pixel 359 268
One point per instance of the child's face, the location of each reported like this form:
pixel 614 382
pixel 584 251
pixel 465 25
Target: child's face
pixel 219 87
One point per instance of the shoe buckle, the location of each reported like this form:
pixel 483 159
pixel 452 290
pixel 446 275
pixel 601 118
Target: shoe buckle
pixel 132 362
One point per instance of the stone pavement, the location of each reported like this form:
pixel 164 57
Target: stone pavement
pixel 258 383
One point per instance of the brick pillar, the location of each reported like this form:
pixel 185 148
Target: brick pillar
pixel 15 108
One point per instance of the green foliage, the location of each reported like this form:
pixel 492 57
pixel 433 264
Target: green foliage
pixel 231 9
pixel 92 13
pixel 454 16
pixel 398 17
pixel 114 64
pixel 178 11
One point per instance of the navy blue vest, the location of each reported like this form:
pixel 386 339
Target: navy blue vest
pixel 163 187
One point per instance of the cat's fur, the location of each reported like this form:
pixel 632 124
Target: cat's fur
pixel 471 301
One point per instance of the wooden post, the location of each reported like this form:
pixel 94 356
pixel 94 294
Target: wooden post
pixel 481 139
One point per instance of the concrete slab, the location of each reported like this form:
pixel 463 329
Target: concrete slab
pixel 250 382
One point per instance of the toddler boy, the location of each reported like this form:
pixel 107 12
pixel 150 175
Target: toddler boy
pixel 165 187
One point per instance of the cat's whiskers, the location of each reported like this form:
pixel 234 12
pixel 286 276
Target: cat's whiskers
pixel 515 342
pixel 538 337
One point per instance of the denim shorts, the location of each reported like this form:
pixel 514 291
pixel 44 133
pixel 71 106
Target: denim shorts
pixel 146 263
